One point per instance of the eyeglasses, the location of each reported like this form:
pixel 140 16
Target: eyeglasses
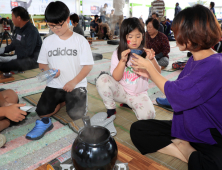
pixel 58 26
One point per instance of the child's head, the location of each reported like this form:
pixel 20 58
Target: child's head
pixel 74 19
pixel 96 17
pixel 212 4
pixel 196 28
pixel 152 26
pixel 132 35
pixel 99 22
pixel 57 17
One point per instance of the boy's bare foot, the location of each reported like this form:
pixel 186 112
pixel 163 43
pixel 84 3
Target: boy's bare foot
pixel 184 147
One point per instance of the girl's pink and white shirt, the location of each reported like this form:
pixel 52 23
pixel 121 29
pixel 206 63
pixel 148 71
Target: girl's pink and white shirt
pixel 132 83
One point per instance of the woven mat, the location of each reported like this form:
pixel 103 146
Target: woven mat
pixel 103 47
pixel 107 55
pixel 25 75
pixel 22 154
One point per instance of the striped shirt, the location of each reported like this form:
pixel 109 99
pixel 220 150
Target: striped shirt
pixel 158 7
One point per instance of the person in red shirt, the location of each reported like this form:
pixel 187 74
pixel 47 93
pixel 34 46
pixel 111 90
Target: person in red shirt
pixel 158 42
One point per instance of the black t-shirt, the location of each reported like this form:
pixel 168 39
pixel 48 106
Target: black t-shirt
pixel 93 24
pixel 26 41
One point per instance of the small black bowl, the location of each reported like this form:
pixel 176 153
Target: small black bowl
pixel 7 75
pixel 138 51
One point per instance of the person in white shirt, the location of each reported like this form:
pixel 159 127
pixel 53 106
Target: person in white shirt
pixel 70 54
pixel 118 5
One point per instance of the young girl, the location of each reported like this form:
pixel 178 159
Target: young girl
pixel 125 85
pixel 195 133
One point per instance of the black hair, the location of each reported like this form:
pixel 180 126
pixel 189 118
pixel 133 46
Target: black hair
pixel 96 16
pixel 155 23
pixel 154 13
pixel 22 12
pixel 56 12
pixel 74 18
pixel 177 3
pixel 127 26
pixel 99 20
pixel 212 4
pixel 106 4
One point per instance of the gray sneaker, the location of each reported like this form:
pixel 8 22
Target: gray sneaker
pixel 2 140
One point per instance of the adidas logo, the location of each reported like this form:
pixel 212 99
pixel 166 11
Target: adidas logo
pixel 58 52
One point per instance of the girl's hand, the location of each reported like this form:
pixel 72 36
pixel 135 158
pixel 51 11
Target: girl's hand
pixel 140 63
pixel 150 53
pixel 124 55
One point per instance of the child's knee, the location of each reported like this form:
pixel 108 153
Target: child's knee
pixel 10 96
pixel 43 109
pixel 102 79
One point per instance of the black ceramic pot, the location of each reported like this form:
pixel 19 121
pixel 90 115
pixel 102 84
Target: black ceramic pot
pixel 94 149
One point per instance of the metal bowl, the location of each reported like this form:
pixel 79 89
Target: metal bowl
pixel 7 75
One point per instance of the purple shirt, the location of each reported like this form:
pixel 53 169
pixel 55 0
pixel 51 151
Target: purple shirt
pixel 196 97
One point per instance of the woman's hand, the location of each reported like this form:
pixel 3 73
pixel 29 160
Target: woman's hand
pixel 150 53
pixel 124 55
pixel 139 62
pixel 142 73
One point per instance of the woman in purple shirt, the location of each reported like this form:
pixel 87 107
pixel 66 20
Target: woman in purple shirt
pixel 195 133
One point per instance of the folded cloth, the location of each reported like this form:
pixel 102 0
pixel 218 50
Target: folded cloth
pixel 28 108
pixel 7 59
pixel 100 119
pixel 2 50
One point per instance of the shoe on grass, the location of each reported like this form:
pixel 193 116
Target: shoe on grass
pixel 41 127
pixel 163 102
pixel 2 140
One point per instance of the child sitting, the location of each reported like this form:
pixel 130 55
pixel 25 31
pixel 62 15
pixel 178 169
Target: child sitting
pixel 70 53
pixel 125 85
